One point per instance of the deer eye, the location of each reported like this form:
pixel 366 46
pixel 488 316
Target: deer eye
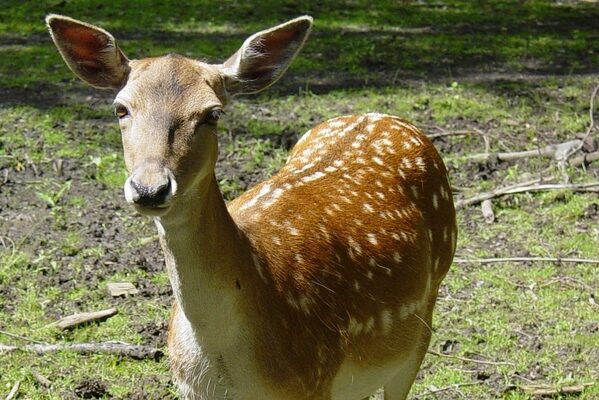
pixel 213 116
pixel 121 111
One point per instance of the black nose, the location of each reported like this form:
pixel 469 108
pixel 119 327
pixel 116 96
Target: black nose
pixel 150 196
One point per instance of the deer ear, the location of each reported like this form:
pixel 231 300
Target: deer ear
pixel 265 56
pixel 90 52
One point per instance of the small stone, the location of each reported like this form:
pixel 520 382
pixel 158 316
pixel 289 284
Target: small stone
pixel 117 289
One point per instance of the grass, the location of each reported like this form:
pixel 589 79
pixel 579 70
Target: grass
pixel 521 72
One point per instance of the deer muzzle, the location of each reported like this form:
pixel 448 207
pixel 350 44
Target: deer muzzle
pixel 150 188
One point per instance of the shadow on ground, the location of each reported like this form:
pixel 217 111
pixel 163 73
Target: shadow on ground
pixel 355 44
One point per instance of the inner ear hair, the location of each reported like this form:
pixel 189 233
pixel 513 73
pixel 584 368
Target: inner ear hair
pixel 89 51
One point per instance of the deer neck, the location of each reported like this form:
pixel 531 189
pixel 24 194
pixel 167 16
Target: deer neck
pixel 204 252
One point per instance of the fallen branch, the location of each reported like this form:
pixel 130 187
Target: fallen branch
pixel 472 360
pixel 12 335
pixel 546 390
pixel 83 318
pixel 446 388
pixel 444 133
pixel 13 392
pixel 591 124
pixel 588 187
pixel 555 151
pixel 114 348
pixel 524 259
pixel 41 379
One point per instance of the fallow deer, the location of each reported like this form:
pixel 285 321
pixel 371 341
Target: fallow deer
pixel 317 284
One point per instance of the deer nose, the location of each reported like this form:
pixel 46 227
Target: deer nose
pixel 152 195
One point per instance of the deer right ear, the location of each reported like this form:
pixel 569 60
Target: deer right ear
pixel 90 52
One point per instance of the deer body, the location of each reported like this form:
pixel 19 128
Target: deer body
pixel 318 283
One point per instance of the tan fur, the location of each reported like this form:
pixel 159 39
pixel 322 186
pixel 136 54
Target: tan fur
pixel 317 284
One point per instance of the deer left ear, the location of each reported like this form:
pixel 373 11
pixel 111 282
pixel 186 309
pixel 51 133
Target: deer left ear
pixel 90 52
pixel 265 56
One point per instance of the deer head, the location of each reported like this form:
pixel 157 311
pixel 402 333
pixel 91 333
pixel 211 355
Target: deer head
pixel 168 107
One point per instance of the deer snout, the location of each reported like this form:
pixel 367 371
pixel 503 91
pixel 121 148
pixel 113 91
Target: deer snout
pixel 150 189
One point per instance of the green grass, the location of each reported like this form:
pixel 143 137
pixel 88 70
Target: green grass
pixel 452 67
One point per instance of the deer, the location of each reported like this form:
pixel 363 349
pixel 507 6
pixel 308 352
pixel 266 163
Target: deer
pixel 318 283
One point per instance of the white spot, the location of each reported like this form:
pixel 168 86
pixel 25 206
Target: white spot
pixel 444 193
pixel 313 177
pixel 369 274
pixel 435 201
pixel 386 321
pixel 304 168
pixel 330 169
pixel 355 246
pixel 453 239
pixel 354 327
pixel 414 190
pixel 420 163
pixel 395 236
pixel 380 195
pixel 397 257
pixel 258 266
pixel 299 259
pixel 274 197
pixel 407 163
pixel 338 163
pixel 291 301
pixel 304 304
pixel 276 240
pixel 378 160
pixel 293 231
pixel 337 123
pixel 324 232
pixel 368 208
pixel 372 239
pixel 265 189
pixel 416 141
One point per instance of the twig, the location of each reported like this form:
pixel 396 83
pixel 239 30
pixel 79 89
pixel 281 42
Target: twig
pixel 455 386
pixel 546 390
pixel 83 318
pixel 41 379
pixel 13 392
pixel 472 360
pixel 588 187
pixel 115 348
pixel 12 335
pixel 591 124
pixel 444 133
pixel 524 259
pixel 556 151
